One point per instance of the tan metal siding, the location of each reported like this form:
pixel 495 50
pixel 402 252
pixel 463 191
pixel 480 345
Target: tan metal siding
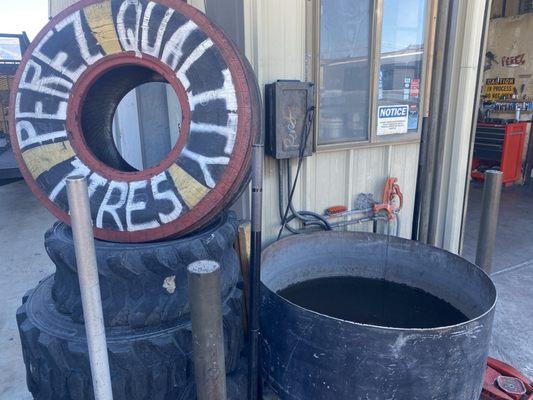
pixel 56 6
pixel 277 31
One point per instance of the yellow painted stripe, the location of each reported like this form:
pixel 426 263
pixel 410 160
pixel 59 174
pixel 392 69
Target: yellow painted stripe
pixel 43 158
pixel 100 20
pixel 189 188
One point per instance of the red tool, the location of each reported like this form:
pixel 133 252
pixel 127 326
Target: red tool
pixel 503 382
pixel 390 192
pixel 336 210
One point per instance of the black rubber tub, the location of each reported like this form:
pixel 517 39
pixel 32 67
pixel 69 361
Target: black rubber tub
pixel 373 317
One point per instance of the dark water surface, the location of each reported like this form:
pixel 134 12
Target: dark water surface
pixel 373 301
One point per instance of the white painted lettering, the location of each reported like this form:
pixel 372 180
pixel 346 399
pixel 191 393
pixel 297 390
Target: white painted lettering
pixel 227 93
pixel 94 182
pixel 193 57
pixel 145 45
pixel 60 62
pixel 173 50
pixel 229 131
pixel 111 209
pixel 129 38
pixel 79 168
pixel 41 84
pixel 27 135
pixel 136 205
pixel 203 162
pixel 168 195
pixel 81 39
pixel 61 113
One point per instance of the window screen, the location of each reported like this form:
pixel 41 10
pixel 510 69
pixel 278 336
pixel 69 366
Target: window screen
pixel 344 70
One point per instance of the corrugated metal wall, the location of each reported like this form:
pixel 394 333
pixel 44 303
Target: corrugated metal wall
pixel 56 6
pixel 276 46
pixel 276 36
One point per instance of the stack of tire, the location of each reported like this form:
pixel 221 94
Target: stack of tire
pixel 146 312
pixel 149 225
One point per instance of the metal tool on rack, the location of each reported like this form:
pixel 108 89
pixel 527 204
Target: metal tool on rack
pixel 368 209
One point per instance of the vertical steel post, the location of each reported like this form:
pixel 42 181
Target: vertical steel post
pixel 207 330
pixel 435 95
pixel 255 273
pixel 80 215
pixel 489 219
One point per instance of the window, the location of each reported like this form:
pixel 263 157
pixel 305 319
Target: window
pixel 10 48
pixel 344 70
pixel 370 90
pixel 526 6
pixel 401 65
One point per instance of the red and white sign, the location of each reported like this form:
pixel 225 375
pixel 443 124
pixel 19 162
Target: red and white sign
pixel 415 88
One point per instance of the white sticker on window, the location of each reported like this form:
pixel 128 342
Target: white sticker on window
pixel 393 120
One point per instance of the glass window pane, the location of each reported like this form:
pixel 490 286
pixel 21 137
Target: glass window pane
pixel 401 63
pixel 344 70
pixel 10 49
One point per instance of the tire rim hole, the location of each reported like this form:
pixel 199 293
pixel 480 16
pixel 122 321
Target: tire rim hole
pixel 131 118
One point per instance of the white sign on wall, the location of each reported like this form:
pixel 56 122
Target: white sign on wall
pixel 393 120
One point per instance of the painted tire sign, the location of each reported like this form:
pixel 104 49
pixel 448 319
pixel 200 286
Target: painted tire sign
pixel 70 82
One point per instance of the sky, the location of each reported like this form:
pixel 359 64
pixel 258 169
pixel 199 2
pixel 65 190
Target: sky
pixel 23 15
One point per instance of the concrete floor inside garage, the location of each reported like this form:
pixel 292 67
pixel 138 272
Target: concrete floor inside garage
pixel 24 263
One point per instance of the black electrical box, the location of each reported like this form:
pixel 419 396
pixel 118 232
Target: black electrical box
pixel 288 105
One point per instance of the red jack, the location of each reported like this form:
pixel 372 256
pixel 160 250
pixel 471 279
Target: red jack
pixel 503 382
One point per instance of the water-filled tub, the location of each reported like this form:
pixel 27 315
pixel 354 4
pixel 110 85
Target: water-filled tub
pixel 309 355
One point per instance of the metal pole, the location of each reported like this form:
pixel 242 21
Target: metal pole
pixel 429 146
pixel 207 330
pixel 82 231
pixel 489 219
pixel 254 388
pixel 440 130
pixel 477 101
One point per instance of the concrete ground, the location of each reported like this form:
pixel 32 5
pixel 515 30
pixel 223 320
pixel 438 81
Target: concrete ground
pixel 512 339
pixel 24 263
pixel 23 222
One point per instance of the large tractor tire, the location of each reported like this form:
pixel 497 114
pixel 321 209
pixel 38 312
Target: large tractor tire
pixel 67 89
pixel 146 364
pixel 143 284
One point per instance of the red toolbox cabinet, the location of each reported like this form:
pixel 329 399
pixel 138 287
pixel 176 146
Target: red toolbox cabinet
pixel 499 146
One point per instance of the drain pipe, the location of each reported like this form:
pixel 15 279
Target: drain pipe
pixel 255 273
pixel 82 231
pixel 207 330
pixel 489 219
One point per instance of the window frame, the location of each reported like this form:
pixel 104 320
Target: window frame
pixel 313 73
pixel 525 7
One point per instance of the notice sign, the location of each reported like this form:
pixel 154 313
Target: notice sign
pixel 393 119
